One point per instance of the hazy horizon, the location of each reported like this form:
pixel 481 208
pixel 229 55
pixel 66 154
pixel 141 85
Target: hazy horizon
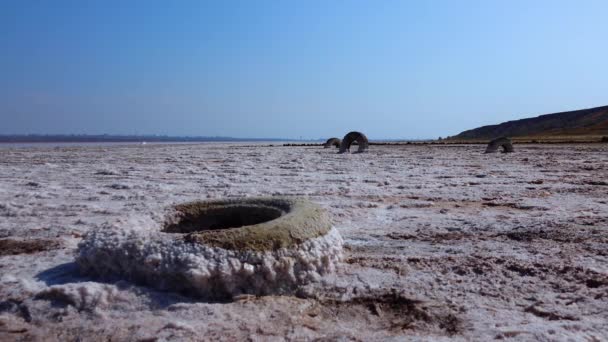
pixel 270 69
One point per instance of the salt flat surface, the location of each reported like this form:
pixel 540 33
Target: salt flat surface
pixel 441 242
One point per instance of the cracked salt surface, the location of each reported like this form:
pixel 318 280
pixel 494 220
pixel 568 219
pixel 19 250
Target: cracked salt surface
pixel 431 251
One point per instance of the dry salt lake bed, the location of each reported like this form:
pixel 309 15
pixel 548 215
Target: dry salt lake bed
pixel 440 242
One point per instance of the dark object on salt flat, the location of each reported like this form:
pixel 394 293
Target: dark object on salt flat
pixel 351 138
pixel 503 142
pixel 332 142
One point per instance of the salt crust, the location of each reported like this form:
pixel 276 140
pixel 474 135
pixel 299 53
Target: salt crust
pixel 137 249
pixel 83 296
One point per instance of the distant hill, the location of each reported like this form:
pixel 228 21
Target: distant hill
pixel 585 122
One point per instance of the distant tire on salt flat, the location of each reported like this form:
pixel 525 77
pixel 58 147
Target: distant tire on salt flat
pixel 504 142
pixel 354 137
pixel 332 142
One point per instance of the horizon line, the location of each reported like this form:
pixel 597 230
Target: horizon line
pixel 73 137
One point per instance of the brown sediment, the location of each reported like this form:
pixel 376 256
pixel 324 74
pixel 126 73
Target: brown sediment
pixel 15 247
pixel 393 311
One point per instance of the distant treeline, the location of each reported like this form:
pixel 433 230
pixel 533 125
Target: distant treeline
pixel 33 138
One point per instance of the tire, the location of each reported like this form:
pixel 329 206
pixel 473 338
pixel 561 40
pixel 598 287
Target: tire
pixel 332 142
pixel 352 137
pixel 505 143
pixel 219 249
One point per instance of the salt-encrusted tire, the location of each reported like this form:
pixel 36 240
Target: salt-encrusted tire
pixel 335 142
pixel 503 142
pixel 351 138
pixel 219 249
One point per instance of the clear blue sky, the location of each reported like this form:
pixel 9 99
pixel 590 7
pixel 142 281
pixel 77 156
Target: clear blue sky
pixel 392 69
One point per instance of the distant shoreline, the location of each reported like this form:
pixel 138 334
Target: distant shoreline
pixel 28 139
pixel 518 140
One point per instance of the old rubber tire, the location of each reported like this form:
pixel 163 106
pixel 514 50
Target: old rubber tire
pixel 290 243
pixel 503 142
pixel 352 137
